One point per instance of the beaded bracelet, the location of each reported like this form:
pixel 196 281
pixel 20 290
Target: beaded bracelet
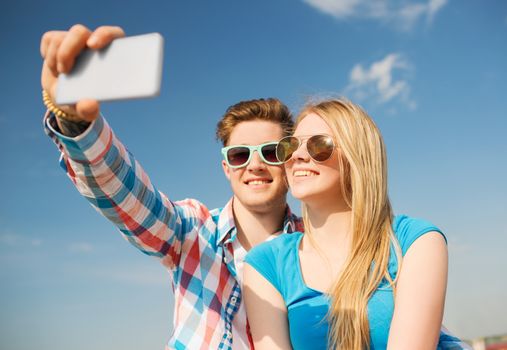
pixel 57 111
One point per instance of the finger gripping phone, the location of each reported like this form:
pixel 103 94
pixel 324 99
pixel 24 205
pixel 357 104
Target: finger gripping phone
pixel 127 68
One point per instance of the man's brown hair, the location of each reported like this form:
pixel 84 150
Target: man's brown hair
pixel 269 109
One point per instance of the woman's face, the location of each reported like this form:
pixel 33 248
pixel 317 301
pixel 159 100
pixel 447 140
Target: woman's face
pixel 310 181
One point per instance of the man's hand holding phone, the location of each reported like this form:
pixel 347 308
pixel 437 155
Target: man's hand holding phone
pixel 59 49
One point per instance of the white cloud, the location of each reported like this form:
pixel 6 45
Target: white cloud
pixel 407 16
pixel 339 9
pixel 80 247
pixel 17 240
pixel 377 82
pixel 402 14
pixel 434 6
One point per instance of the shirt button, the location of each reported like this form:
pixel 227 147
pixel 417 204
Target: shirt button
pixel 234 300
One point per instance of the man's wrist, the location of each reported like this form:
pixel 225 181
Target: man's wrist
pixel 71 128
pixel 91 142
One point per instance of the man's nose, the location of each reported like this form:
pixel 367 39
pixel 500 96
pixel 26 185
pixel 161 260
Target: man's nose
pixel 256 163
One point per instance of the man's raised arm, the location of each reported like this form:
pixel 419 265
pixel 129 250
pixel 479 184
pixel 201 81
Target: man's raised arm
pixel 101 167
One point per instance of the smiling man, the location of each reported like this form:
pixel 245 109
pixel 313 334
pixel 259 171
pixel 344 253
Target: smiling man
pixel 203 249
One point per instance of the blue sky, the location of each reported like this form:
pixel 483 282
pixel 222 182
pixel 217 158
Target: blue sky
pixel 432 74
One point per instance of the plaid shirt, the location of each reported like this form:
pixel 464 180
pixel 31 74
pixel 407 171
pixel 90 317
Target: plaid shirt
pixel 192 242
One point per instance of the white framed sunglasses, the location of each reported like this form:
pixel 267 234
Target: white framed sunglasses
pixel 237 156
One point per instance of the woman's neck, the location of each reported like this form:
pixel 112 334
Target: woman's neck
pixel 330 225
pixel 327 245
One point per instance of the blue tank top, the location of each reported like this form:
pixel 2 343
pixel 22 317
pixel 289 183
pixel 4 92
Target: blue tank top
pixel 278 261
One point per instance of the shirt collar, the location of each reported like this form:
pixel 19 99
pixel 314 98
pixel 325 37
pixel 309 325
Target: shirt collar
pixel 292 222
pixel 226 223
pixel 227 226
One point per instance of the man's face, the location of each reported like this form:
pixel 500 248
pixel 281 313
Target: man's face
pixel 258 186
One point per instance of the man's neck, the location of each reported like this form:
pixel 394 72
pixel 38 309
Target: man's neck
pixel 255 226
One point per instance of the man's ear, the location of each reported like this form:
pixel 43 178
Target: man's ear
pixel 227 170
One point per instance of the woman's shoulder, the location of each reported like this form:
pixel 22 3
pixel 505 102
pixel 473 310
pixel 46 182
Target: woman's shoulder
pixel 275 259
pixel 407 229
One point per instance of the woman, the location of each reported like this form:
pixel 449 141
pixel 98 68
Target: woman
pixel 342 285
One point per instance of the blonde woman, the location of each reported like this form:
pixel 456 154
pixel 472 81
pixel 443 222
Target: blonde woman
pixel 360 277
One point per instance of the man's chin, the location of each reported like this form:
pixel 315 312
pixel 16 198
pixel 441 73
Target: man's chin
pixel 258 202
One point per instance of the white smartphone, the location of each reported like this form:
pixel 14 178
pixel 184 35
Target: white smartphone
pixel 128 68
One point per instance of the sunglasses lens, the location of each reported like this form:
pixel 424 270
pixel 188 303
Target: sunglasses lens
pixel 269 153
pixel 320 147
pixel 238 156
pixel 286 148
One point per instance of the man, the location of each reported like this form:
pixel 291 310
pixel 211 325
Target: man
pixel 202 249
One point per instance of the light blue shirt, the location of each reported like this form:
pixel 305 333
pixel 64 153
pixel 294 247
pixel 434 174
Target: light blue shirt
pixel 307 308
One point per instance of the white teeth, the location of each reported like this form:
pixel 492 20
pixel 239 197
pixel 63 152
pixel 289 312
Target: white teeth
pixel 304 173
pixel 257 182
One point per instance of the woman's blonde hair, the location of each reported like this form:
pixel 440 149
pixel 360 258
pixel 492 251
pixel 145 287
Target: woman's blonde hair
pixel 363 165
